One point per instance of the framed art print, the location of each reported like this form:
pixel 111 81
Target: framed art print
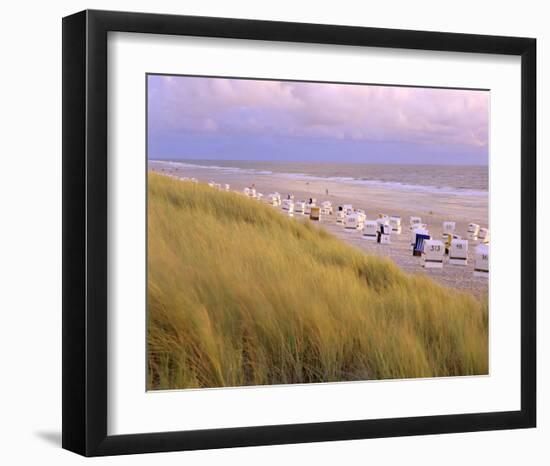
pixel 281 232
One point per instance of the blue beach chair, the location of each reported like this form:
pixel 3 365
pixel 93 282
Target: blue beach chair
pixel 419 244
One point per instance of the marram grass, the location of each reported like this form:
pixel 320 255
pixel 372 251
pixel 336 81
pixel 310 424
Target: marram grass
pixel 239 294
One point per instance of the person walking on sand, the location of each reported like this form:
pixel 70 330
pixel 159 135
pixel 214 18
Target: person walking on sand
pixel 326 191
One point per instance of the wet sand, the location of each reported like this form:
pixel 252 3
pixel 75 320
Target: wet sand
pixel 433 208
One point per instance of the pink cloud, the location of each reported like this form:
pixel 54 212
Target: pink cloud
pixel 355 112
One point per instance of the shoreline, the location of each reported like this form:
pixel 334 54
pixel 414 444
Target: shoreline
pixel 434 209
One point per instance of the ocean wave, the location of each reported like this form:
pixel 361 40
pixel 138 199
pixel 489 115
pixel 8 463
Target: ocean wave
pixel 446 190
pixel 212 167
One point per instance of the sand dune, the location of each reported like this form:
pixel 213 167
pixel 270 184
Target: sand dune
pixel 434 208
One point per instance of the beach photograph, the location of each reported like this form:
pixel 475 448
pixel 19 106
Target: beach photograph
pixel 308 232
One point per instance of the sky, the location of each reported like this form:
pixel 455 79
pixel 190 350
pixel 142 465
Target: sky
pixel 264 120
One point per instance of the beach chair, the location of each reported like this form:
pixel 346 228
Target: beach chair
pixel 299 207
pixel 418 248
pixel 326 208
pixel 347 208
pixel 483 235
pixel 315 213
pixel 340 217
pixel 481 265
pixel 473 231
pixel 211 184
pixel 272 199
pixel 448 229
pixel 420 231
pixel 458 253
pixel 384 232
pixel 276 199
pixel 414 222
pixel 351 222
pixel 194 180
pixel 259 196
pixel 226 187
pixel 395 223
pixel 361 217
pixel 370 230
pixel 288 205
pixel 246 191
pixel 434 252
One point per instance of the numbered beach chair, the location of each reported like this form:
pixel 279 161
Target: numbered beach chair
pixel 434 252
pixel 448 229
pixel 419 243
pixel 481 265
pixel 414 222
pixel 315 213
pixel 370 230
pixel 473 231
pixel 483 235
pixel 458 254
pixel 395 223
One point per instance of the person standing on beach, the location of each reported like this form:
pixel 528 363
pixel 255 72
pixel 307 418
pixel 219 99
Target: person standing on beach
pixel 326 191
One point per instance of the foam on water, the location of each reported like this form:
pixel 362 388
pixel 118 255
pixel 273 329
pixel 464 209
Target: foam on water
pixel 396 177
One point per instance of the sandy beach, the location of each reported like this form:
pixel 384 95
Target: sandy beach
pixel 433 208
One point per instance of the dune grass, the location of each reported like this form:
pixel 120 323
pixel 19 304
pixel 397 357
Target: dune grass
pixel 239 294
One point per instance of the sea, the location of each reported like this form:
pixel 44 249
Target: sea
pixel 465 180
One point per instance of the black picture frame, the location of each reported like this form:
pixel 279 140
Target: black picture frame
pixel 85 232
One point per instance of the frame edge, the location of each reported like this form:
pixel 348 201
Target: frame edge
pixel 74 421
